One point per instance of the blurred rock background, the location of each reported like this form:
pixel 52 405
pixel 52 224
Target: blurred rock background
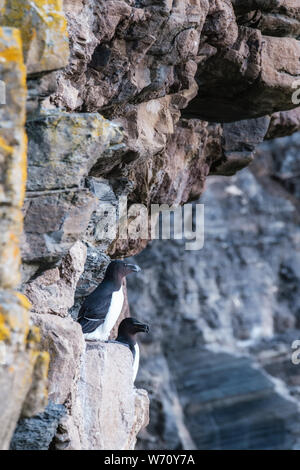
pixel 218 361
pixel 148 99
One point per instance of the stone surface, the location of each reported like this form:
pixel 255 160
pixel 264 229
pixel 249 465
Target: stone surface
pixel 257 76
pixel 63 340
pixel 37 433
pixel 236 61
pixel 13 74
pixel 275 18
pixel 53 291
pixel 231 404
pixel 23 366
pixel 225 401
pixel 107 411
pixel 191 149
pixel 104 37
pixel 285 170
pixel 92 382
pixel 44 32
pixel 284 123
pixel 124 117
pixel 63 150
pixel 64 147
pixel 12 154
pixel 162 157
pixel 230 309
pixel 53 222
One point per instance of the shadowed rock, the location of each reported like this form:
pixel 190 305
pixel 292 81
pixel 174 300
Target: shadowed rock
pixel 37 433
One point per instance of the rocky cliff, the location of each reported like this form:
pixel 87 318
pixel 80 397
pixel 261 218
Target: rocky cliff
pixel 143 99
pixel 224 318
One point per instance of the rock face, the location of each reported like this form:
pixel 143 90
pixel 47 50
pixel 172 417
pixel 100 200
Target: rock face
pixel 231 404
pixel 173 65
pixel 105 420
pixel 64 341
pixel 224 318
pixel 257 77
pixel 93 404
pixel 37 433
pixel 92 383
pixel 53 291
pixel 44 32
pixel 23 366
pixel 142 100
pixel 13 144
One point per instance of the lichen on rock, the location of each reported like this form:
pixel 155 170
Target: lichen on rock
pixel 23 366
pixel 142 99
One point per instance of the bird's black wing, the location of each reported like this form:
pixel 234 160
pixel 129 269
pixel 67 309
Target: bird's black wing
pixel 94 309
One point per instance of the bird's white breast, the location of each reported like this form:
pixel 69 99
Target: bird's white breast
pixel 136 361
pixel 103 331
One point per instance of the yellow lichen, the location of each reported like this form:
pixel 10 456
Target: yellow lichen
pixel 44 358
pixel 33 335
pixel 17 322
pixel 4 329
pixel 23 169
pixel 23 300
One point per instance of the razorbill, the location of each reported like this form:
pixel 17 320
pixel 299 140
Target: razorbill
pixel 128 329
pixel 101 309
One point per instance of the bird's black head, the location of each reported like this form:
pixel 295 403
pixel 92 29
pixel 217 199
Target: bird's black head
pixel 131 326
pixel 118 269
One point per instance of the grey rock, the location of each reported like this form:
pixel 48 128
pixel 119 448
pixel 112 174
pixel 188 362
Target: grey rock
pixel 223 318
pixel 106 411
pixel 230 404
pixel 64 147
pixel 53 222
pixel 37 433
pixel 154 70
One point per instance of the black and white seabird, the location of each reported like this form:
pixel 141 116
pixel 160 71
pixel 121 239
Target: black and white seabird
pixel 101 309
pixel 128 329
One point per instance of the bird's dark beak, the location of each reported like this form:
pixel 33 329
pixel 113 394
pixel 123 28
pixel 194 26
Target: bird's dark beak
pixel 133 268
pixel 142 327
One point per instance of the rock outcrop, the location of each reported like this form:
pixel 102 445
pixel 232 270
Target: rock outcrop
pixel 43 30
pixel 142 100
pixel 106 412
pixel 23 366
pixel 37 432
pixel 53 291
pixel 154 71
